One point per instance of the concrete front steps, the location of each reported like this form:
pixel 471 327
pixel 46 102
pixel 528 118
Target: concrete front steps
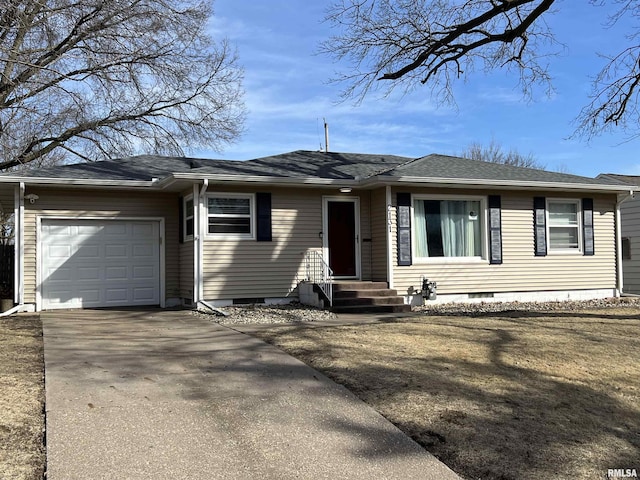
pixel 366 297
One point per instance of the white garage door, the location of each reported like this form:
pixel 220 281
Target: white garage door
pixel 100 263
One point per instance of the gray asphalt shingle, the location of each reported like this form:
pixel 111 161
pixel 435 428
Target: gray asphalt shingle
pixel 313 164
pixel 443 166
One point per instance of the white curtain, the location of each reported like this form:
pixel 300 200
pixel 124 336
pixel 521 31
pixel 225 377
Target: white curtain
pixel 460 228
pixel 420 236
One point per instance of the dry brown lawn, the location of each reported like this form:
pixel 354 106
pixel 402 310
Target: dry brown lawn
pixel 22 453
pixel 514 395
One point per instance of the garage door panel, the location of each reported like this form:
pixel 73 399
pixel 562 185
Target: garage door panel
pixel 116 273
pixel 142 251
pixel 62 274
pixel 59 251
pixel 88 297
pixel 116 295
pixel 143 294
pixel 57 230
pixel 90 263
pixel 143 272
pixel 118 229
pixel 142 231
pixel 88 229
pixel 88 252
pixel 88 273
pixel 116 251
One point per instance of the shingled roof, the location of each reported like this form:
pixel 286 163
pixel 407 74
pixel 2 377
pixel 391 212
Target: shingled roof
pixel 443 166
pixel 628 179
pixel 353 168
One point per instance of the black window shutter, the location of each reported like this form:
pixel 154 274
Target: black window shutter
pixel 495 230
pixel 404 229
pixel 181 219
pixel 587 226
pixel 263 213
pixel 540 225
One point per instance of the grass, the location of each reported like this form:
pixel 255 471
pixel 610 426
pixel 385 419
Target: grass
pixel 517 395
pixel 22 452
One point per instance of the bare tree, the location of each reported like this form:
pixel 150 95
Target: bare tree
pixel 97 78
pixel 436 42
pixel 494 153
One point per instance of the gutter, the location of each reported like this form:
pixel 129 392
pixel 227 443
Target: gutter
pixel 484 183
pixel 250 179
pixel 376 181
pixel 80 182
pixel 620 280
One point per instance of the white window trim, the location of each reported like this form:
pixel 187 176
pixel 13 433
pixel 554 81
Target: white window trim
pixel 484 222
pixel 232 236
pixel 186 237
pixel 565 251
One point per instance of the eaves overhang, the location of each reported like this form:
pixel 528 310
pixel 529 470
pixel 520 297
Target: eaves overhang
pixel 79 182
pixel 371 182
pixel 257 179
pixel 503 184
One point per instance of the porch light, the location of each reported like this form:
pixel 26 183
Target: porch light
pixel 345 190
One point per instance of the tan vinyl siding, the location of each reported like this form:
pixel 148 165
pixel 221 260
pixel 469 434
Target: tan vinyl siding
pixel 186 269
pixel 378 236
pixel 101 203
pixel 235 269
pixel 521 270
pixel 630 216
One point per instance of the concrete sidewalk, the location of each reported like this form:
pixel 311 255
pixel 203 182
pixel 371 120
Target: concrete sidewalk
pixel 169 395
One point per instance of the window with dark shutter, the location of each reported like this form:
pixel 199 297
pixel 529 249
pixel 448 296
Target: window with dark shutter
pixel 181 219
pixel 230 215
pixel 587 226
pixel 404 229
pixel 263 210
pixel 495 230
pixel 540 226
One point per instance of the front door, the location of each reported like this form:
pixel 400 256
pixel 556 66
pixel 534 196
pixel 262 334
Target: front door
pixel 342 237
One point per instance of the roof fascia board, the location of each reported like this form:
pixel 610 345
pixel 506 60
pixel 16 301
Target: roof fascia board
pixel 250 179
pixel 79 182
pixel 506 184
pixel 318 182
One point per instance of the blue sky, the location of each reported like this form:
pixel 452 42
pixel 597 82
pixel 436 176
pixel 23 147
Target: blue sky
pixel 288 94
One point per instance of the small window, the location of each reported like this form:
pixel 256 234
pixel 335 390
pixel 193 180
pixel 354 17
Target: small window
pixel 626 248
pixel 564 225
pixel 230 215
pixel 188 218
pixel 448 228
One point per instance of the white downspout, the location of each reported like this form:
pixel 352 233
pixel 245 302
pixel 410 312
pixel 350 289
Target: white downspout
pixel 620 279
pixel 201 234
pixel 19 244
pixel 389 238
pixel 198 253
pixel 196 240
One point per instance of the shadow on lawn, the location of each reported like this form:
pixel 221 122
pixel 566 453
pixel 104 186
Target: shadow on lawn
pixel 494 418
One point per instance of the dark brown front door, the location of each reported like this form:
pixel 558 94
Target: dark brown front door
pixel 342 238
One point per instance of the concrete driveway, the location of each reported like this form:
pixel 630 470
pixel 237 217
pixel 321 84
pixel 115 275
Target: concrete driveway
pixel 169 395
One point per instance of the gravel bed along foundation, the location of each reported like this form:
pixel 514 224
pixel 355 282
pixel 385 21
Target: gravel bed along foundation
pixel 296 312
pixel 483 308
pixel 260 313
